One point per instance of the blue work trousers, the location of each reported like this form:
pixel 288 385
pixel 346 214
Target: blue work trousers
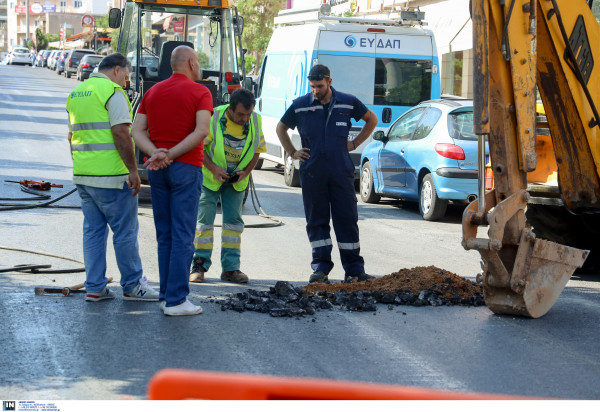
pixel 175 194
pixel 328 192
pixel 118 209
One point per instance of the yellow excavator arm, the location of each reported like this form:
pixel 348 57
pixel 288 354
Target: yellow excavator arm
pixel 518 45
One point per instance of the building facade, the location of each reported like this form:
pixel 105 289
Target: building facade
pixel 49 16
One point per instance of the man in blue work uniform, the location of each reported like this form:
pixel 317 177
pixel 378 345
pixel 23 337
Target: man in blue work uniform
pixel 327 171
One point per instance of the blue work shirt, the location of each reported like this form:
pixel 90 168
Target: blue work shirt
pixel 324 129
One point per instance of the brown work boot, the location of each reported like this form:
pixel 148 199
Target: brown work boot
pixel 197 273
pixel 235 276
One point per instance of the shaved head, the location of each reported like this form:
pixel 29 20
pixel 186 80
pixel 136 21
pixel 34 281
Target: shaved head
pixel 184 60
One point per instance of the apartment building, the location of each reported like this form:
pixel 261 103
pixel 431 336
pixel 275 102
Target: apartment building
pixel 3 30
pixel 49 16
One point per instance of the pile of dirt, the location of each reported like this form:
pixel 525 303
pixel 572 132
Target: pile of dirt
pixel 447 285
pixel 419 286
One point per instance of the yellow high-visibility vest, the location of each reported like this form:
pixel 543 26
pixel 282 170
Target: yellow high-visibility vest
pixel 216 149
pixel 92 142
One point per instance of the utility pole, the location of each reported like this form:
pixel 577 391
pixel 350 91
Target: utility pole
pixel 27 23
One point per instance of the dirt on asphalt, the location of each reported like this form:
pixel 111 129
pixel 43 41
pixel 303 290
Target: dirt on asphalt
pixel 449 285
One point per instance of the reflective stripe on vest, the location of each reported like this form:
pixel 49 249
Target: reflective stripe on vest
pixel 92 142
pixel 217 155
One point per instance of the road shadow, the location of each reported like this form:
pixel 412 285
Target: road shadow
pixel 11 118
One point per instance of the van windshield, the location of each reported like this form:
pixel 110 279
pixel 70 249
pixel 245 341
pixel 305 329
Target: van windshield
pixel 351 74
pixel 402 82
pixel 381 81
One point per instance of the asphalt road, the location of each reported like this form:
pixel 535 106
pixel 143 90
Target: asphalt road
pixel 66 348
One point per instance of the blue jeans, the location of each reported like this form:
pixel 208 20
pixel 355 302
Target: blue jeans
pixel 175 195
pixel 118 209
pixel 233 226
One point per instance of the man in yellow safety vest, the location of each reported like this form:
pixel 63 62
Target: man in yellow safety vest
pixel 232 149
pixel 105 173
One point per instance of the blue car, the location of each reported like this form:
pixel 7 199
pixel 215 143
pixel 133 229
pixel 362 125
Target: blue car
pixel 428 155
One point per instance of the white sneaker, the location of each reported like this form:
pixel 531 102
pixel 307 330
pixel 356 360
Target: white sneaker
pixel 185 308
pixel 96 296
pixel 142 291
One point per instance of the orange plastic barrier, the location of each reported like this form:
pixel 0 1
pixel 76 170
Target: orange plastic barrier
pixel 176 384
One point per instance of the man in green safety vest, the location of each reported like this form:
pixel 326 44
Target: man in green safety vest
pixel 231 149
pixel 105 173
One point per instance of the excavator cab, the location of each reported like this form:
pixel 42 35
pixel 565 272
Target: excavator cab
pixel 151 29
pixel 527 258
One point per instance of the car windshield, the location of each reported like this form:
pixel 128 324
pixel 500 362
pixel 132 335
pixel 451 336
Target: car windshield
pixel 21 51
pixel 93 59
pixel 460 126
pixel 77 55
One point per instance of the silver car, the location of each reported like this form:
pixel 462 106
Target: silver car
pixel 20 55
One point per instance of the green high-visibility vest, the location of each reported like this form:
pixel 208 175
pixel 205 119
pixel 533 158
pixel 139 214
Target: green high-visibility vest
pixel 92 142
pixel 216 150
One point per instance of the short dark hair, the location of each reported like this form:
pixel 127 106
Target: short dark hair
pixel 243 96
pixel 113 60
pixel 319 72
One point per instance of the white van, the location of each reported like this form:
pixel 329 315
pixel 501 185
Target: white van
pixel 390 65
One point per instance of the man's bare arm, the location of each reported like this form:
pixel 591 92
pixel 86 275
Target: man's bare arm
pixel 127 152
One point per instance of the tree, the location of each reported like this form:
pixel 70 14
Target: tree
pixel 102 23
pixel 41 40
pixel 203 59
pixel 258 25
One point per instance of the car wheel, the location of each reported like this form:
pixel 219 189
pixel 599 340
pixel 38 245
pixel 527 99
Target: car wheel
pixel 430 205
pixel 367 189
pixel 78 76
pixel 259 164
pixel 290 174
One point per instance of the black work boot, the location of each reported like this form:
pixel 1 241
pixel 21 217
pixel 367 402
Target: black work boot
pixel 318 277
pixel 361 277
pixel 197 273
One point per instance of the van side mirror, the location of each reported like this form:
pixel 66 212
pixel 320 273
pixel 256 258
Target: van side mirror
pixel 248 84
pixel 114 18
pixel 380 136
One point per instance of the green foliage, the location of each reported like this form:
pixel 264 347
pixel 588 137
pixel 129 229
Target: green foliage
pixel 29 45
pixel 52 37
pixel 250 61
pixel 203 59
pixel 258 24
pixel 114 39
pixel 42 40
pixel 102 22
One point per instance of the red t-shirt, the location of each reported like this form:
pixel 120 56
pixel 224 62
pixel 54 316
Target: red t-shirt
pixel 171 107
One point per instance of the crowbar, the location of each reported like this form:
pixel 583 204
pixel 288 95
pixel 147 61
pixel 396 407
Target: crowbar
pixel 66 291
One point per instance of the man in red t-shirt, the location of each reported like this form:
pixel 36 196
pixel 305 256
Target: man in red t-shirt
pixel 170 126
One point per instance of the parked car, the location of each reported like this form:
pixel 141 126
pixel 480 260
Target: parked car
pixel 148 67
pixel 60 62
pixel 429 155
pixel 44 59
pixel 38 59
pixel 52 59
pixel 20 55
pixel 72 60
pixel 87 65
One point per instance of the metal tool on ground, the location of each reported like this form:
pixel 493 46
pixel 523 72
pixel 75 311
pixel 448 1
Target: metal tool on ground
pixel 40 268
pixel 34 184
pixel 66 291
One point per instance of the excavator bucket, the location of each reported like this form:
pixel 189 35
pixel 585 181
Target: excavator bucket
pixel 540 274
